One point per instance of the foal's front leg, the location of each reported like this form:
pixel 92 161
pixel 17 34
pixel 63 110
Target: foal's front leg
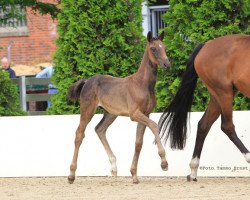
pixel 138 145
pixel 143 119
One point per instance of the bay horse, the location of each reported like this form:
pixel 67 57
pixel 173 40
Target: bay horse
pixel 132 96
pixel 223 65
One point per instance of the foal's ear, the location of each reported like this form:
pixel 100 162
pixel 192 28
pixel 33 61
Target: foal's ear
pixel 149 36
pixel 161 36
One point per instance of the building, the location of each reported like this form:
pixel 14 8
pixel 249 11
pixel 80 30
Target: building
pixel 31 40
pixel 152 16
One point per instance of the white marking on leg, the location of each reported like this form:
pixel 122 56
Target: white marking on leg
pixel 72 174
pixel 160 45
pixel 194 164
pixel 113 165
pixel 247 157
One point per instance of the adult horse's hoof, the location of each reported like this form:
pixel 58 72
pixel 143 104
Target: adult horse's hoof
pixel 71 179
pixel 189 179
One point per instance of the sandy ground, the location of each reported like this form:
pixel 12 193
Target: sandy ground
pixel 122 188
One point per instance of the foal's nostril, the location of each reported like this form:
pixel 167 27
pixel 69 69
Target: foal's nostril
pixel 164 63
pixel 167 65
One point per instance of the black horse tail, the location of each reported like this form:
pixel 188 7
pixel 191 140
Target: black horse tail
pixel 75 90
pixel 173 121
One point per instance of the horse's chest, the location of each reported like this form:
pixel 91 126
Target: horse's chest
pixel 149 103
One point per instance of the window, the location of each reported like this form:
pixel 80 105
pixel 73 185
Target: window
pixel 13 27
pixel 156 18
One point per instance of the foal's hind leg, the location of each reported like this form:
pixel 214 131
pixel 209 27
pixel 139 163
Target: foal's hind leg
pixel 204 125
pixel 86 115
pixel 143 119
pixel 100 129
pixel 138 145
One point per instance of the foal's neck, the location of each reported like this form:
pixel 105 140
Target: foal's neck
pixel 147 71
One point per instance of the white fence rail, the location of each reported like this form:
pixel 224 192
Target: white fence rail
pixel 43 146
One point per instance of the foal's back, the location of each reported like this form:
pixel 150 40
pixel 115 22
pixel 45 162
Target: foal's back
pixel 109 92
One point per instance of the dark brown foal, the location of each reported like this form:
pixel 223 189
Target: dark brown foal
pixel 132 96
pixel 223 64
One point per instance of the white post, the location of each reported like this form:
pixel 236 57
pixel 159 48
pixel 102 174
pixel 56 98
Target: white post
pixel 22 86
pixel 9 51
pixel 154 22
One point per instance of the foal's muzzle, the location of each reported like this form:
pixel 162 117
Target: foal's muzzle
pixel 165 64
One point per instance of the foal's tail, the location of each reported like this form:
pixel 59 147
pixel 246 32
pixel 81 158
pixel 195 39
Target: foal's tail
pixel 176 114
pixel 75 90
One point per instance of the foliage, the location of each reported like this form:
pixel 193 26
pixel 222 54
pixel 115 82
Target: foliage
pixel 95 37
pixel 9 98
pixel 12 10
pixel 190 22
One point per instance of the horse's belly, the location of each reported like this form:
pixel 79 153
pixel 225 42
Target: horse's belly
pixel 115 109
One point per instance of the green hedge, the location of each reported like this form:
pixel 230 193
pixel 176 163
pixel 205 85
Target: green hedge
pixel 95 37
pixel 190 22
pixel 9 98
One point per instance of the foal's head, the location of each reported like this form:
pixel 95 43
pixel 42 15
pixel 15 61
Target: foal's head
pixel 157 51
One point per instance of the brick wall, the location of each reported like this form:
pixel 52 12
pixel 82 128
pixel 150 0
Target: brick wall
pixel 37 46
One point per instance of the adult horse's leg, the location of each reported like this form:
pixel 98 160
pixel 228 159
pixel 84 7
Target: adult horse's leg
pixel 87 112
pixel 204 125
pixel 100 129
pixel 138 145
pixel 143 119
pixel 227 126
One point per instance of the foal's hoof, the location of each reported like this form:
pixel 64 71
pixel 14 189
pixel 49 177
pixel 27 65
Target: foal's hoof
pixel 189 179
pixel 71 179
pixel 136 181
pixel 114 173
pixel 164 166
